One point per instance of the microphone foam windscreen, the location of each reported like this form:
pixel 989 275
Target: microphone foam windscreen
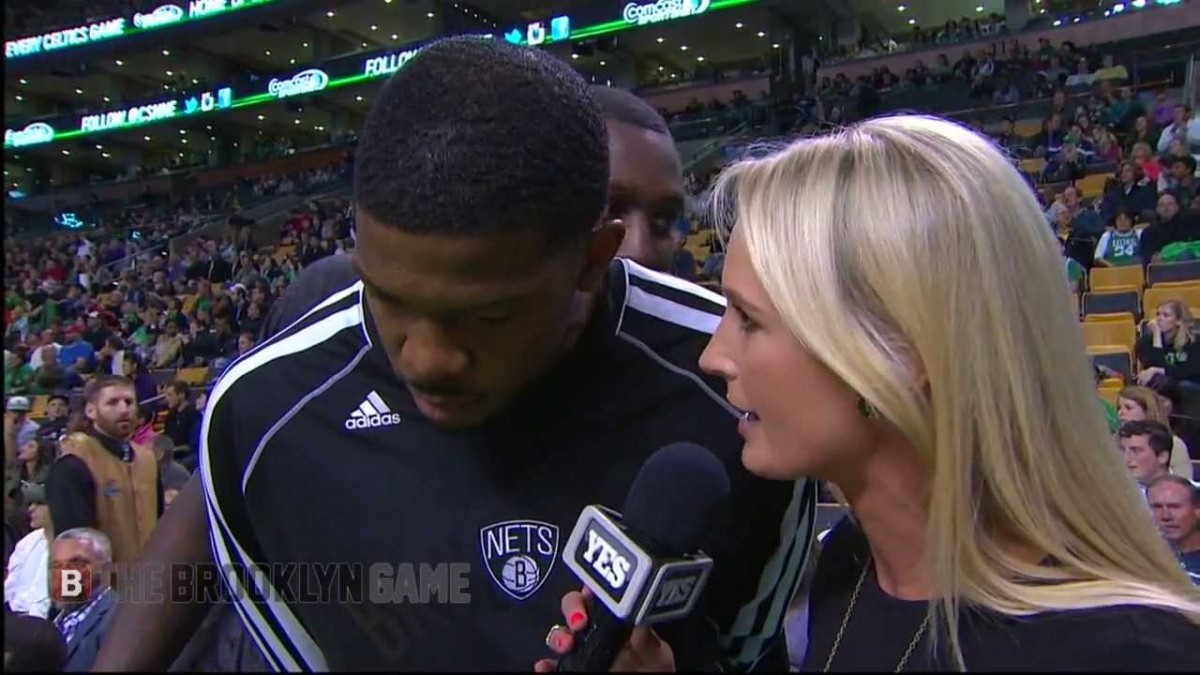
pixel 677 496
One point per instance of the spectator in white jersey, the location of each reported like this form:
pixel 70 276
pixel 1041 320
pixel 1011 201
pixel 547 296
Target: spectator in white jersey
pixel 1121 245
pixel 494 348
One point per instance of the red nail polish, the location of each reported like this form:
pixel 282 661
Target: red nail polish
pixel 560 643
pixel 575 621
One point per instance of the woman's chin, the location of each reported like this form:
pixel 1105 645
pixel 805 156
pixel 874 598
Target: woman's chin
pixel 759 460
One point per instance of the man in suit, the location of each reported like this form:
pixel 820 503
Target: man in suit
pixel 82 620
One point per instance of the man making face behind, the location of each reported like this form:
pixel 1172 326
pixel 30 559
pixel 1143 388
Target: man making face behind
pixel 645 182
pixel 493 372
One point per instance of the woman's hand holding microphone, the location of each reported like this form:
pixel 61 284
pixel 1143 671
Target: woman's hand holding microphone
pixel 644 653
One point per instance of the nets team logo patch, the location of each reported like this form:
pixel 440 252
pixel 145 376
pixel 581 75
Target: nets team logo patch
pixel 519 554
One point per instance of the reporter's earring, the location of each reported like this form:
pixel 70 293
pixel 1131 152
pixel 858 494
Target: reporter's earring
pixel 867 410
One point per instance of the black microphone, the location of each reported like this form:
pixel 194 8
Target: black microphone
pixel 645 567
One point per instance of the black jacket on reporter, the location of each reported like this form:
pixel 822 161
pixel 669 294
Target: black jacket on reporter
pixel 292 473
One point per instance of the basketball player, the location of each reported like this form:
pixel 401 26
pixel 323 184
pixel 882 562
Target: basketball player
pixel 494 371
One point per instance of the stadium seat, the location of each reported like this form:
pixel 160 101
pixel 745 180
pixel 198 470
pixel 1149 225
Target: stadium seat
pixel 1092 186
pixel 1157 295
pixel 1119 359
pixel 1033 165
pixel 1173 273
pixel 1111 279
pixel 1108 393
pixel 1120 302
pixel 193 376
pixel 163 376
pixel 1105 334
pixel 281 254
pixel 37 406
pixel 1027 128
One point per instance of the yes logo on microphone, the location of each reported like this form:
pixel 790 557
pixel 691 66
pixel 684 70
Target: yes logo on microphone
pixel 608 559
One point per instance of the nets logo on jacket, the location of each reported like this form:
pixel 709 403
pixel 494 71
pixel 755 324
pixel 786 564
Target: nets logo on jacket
pixel 519 554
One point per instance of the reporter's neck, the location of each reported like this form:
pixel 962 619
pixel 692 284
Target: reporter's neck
pixel 888 496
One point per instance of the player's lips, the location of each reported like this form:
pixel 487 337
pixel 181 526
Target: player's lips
pixel 441 407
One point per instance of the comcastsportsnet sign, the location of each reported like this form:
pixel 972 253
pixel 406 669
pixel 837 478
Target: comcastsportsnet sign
pixel 33 134
pixel 164 15
pixel 642 14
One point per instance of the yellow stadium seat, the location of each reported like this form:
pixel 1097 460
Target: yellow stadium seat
pixel 1157 295
pixel 1093 185
pixel 1027 128
pixel 192 376
pixel 1109 394
pixel 37 406
pixel 1121 317
pixel 1033 165
pixel 283 252
pixel 1124 278
pixel 1109 334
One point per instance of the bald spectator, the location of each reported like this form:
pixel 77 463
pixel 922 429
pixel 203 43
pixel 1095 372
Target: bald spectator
pixel 38 357
pixel 83 621
pixel 171 472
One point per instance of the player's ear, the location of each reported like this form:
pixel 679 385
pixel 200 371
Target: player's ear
pixel 602 246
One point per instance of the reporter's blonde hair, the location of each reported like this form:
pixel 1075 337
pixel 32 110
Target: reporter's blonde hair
pixel 909 241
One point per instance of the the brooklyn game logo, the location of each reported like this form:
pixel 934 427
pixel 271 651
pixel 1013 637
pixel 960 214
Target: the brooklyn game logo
pixel 519 554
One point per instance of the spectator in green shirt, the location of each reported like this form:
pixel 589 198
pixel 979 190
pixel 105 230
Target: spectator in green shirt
pixel 17 373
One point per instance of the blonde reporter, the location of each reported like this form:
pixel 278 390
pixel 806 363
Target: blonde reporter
pixel 898 325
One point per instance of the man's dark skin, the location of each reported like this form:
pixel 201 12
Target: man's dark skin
pixel 646 197
pixel 645 191
pixel 469 278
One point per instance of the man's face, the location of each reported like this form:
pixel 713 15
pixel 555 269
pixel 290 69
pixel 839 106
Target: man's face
pixel 1141 460
pixel 56 408
pixel 468 322
pixel 1181 170
pixel 1071 197
pixel 75 553
pixel 1167 207
pixel 645 191
pixel 113 411
pixel 245 343
pixel 1174 512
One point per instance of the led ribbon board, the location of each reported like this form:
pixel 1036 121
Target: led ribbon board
pixel 340 72
pixel 123 118
pixel 165 15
